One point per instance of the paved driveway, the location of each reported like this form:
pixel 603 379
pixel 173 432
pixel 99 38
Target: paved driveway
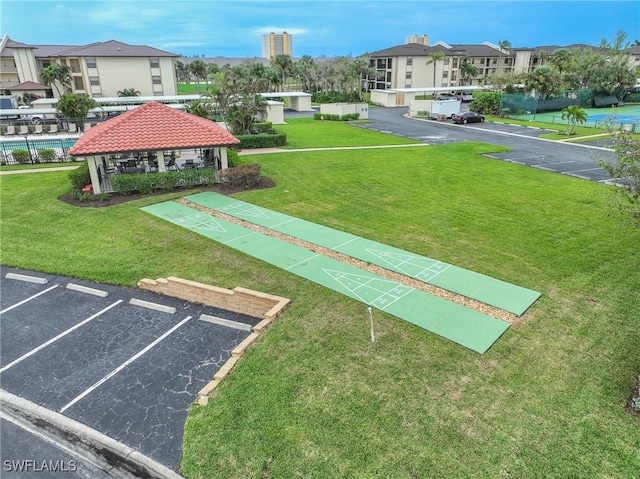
pixel 577 160
pixel 125 362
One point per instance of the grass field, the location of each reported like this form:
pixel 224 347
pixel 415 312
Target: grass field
pixel 314 397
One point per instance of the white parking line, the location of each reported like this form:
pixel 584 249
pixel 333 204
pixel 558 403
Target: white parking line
pixel 62 334
pixel 123 365
pixel 28 299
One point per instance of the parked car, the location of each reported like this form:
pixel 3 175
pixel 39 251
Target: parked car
pixel 468 117
pixel 445 96
pixel 464 96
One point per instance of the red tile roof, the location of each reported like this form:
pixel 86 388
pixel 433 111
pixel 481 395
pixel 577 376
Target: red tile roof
pixel 152 126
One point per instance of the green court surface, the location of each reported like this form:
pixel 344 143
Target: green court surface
pixel 459 324
pixel 480 287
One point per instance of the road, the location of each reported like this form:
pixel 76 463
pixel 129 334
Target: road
pixel 576 160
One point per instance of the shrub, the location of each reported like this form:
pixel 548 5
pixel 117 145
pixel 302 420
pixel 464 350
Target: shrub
pixel 263 140
pixel 146 183
pixel 21 156
pixel 263 126
pixel 47 155
pixel 232 158
pixel 487 103
pixel 244 176
pixel 332 117
pixel 80 177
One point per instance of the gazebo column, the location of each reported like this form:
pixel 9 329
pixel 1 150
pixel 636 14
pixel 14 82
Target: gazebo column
pixel 160 157
pixel 224 163
pixel 93 172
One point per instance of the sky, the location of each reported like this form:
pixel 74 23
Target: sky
pixel 234 28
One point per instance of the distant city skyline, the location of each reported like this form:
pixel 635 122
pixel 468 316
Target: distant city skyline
pixel 234 28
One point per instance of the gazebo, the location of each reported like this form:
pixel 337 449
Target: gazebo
pixel 149 138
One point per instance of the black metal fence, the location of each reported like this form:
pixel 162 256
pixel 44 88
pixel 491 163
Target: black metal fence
pixel 21 150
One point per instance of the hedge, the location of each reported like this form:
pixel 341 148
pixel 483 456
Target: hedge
pixel 168 181
pixel 332 117
pixel 262 140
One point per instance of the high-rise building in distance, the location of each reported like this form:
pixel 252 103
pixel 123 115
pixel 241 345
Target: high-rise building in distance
pixel 276 44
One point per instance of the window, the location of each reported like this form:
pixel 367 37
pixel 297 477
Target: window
pixel 382 63
pixel 156 80
pixel 78 83
pixel 409 61
pixel 455 63
pixel 445 74
pixel 154 62
pixel 482 61
pixel 495 60
pixel 389 62
pixel 91 62
pixel 95 81
pixel 74 65
pixel 408 75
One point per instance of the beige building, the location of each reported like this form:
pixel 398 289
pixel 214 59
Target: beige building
pixel 99 69
pixel 276 44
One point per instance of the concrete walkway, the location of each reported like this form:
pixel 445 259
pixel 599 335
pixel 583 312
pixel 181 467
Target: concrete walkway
pixel 39 170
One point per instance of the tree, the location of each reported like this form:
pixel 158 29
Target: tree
pixel 129 92
pixel 54 74
pixel 545 81
pixel 197 108
pixel 574 115
pixel 198 69
pixel 503 45
pixel 284 64
pixel 75 106
pixel 467 70
pixel 435 57
pixel 625 170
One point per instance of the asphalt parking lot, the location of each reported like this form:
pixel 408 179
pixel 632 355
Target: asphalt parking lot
pixel 527 149
pixel 123 361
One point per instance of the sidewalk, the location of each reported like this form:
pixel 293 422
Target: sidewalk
pixel 38 170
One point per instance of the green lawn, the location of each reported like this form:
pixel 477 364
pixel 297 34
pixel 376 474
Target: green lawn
pixel 313 397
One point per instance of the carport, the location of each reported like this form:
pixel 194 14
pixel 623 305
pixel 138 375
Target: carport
pixel 151 136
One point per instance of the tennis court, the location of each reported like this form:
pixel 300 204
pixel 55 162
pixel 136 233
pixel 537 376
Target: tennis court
pixel 469 328
pixel 596 117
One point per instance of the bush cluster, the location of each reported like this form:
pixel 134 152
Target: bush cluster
pixel 262 140
pixel 331 117
pixel 336 97
pixel 47 155
pixel 80 177
pixel 243 176
pixel 263 127
pixel 146 183
pixel 21 155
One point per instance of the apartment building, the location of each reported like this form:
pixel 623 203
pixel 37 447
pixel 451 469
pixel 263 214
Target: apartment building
pixel 412 66
pixel 276 44
pixel 99 69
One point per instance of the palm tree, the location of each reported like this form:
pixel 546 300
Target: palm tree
pixel 284 64
pixel 573 114
pixel 467 70
pixel 129 92
pixel 435 57
pixel 54 74
pixel 75 106
pixel 503 45
pixel 198 69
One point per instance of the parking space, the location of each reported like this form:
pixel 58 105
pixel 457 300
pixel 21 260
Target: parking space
pixel 124 361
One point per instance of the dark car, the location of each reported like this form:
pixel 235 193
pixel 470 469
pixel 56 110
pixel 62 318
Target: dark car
pixel 468 117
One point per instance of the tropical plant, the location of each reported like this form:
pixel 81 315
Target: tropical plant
pixel 75 106
pixel 467 70
pixel 284 65
pixel 434 58
pixel 545 81
pixel 625 170
pixel 574 115
pixel 56 74
pixel 198 69
pixel 503 46
pixel 129 92
pixel 198 108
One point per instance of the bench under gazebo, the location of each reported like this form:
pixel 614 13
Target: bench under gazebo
pixel 152 138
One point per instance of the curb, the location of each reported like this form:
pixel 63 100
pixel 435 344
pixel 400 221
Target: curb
pixel 116 457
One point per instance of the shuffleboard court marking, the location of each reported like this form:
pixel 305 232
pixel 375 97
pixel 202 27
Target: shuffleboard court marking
pixel 197 221
pixel 97 384
pixel 398 261
pixel 360 285
pixel 59 336
pixel 28 299
pixel 245 209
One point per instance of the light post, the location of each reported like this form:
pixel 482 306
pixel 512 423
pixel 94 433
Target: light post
pixel 28 148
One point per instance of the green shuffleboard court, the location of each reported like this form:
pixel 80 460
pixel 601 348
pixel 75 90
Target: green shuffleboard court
pixel 480 287
pixel 459 324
